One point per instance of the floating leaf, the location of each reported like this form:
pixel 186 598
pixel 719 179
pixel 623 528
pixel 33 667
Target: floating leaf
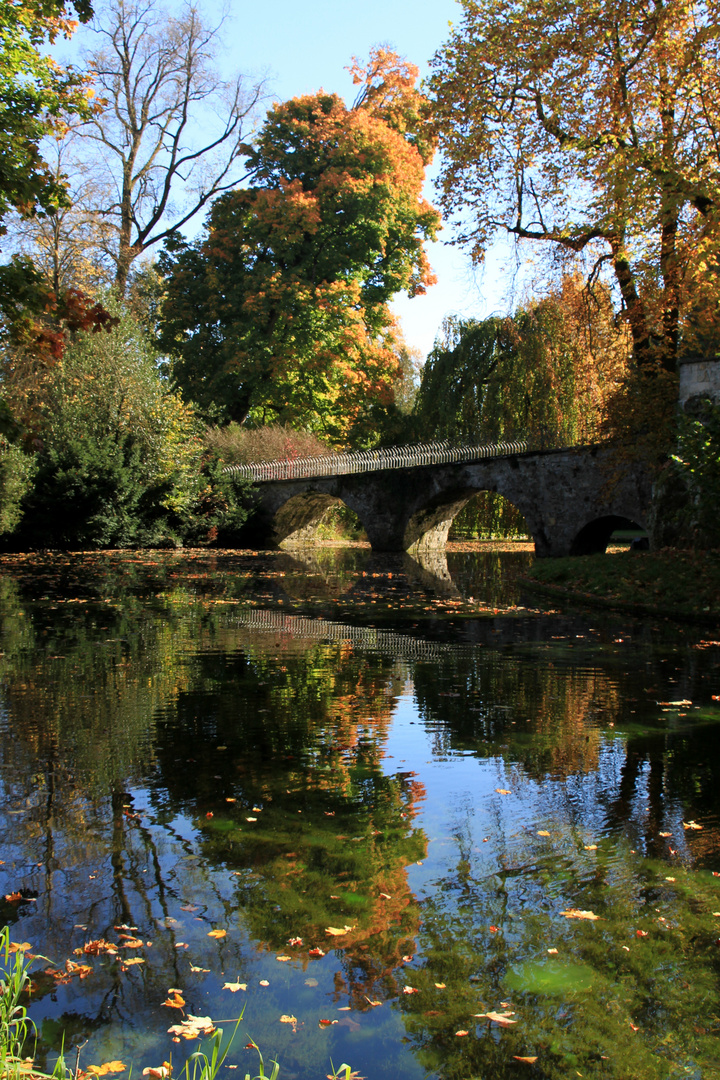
pixel 691 825
pixel 591 847
pixel 193 1027
pixel 440 986
pixel 217 933
pixel 295 941
pixel 264 982
pixel 234 987
pixel 527 1060
pixel 103 1070
pixel 175 1000
pixel 575 913
pixel 283 959
pixel 503 791
pixel 189 907
pixel 315 952
pixel 327 1023
pixel 410 990
pixel 462 1032
pixel 206 971
pixel 543 832
pixel 286 1018
pixel 374 1004
pixel 132 960
pixel 502 1018
pixel 335 931
pixel 19 946
pixel 385 896
pixel 96 948
pixel 162 1072
pixel 133 943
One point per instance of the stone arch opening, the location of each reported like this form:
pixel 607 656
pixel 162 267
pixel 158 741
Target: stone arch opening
pixel 594 537
pixel 430 527
pixel 312 515
pixel 488 515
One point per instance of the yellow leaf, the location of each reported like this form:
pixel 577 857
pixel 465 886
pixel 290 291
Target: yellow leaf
pixel 503 791
pixel 193 1027
pixel 574 913
pixel 440 986
pixel 591 847
pixel 543 832
pixel 217 933
pixel 502 1018
pixel 283 959
pixel 133 960
pixel 21 946
pixel 335 931
pixel 234 987
pixel 108 1067
pixel 528 1060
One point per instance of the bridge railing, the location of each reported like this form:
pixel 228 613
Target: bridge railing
pixel 361 461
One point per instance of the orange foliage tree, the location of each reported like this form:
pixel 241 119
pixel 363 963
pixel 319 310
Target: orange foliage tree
pixel 279 313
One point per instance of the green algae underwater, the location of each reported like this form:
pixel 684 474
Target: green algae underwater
pixel 396 813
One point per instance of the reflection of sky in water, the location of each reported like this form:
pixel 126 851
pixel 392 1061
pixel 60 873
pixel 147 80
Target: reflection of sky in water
pixel 367 743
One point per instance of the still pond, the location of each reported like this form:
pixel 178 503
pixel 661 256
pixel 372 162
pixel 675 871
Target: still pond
pixel 400 816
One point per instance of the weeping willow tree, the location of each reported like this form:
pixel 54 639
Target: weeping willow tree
pixel 547 374
pixel 544 374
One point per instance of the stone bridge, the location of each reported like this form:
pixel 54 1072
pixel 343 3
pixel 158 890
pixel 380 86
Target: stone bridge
pixel 571 499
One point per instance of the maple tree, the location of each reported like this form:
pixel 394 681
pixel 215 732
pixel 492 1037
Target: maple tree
pixel 279 313
pixel 594 129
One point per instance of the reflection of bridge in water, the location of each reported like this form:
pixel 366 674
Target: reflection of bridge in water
pixel 407 498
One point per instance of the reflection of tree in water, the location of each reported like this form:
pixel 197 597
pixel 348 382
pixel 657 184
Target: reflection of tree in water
pixel 303 727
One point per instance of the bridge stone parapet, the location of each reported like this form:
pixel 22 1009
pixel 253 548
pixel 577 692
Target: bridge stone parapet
pixel 571 499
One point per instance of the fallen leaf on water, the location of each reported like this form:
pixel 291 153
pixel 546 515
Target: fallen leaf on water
pixel 264 982
pixel 132 961
pixel 96 948
pixel 286 1018
pixel 315 952
pixel 193 1027
pixel 440 986
pixel 19 946
pixel 634 1028
pixel 373 1003
pixel 670 879
pixel 162 1072
pixel 410 990
pixel 251 819
pixel 327 1023
pixel 182 945
pixel 133 943
pixel 666 834
pixel 103 1070
pixel 691 825
pixel 344 1008
pixel 13 897
pixel 348 1075
pixel 234 987
pixel 335 931
pixel 494 929
pixel 204 970
pixel 189 907
pixel 283 959
pixel 588 847
pixel 408 959
pixel 641 933
pixel 527 1060
pixel 503 791
pixel 462 1032
pixel 552 952
pixel 81 970
pixel 295 941
pixel 502 1018
pixel 574 913
pixel 217 933
pixel 175 1000
pixel 385 896
pixel 543 832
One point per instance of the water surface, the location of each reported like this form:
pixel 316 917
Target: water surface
pixel 362 795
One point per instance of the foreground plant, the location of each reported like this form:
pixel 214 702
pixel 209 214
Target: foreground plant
pixel 15 1025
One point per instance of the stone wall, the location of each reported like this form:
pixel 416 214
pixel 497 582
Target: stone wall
pixel 701 377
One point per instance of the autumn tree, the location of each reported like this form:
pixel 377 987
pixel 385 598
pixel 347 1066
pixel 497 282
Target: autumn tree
pixel 546 374
pixel 592 128
pixel 37 96
pixel 170 136
pixel 279 313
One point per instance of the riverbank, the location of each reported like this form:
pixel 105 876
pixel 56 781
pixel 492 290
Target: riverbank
pixel 677 584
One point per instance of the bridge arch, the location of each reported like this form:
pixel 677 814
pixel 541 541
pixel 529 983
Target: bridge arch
pixel 297 518
pixel 594 537
pixel 428 527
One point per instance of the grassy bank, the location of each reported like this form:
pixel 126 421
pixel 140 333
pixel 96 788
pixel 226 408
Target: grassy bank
pixel 684 584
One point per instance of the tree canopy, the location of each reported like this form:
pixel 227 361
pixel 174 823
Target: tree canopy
pixel 36 98
pixel 593 128
pixel 280 311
